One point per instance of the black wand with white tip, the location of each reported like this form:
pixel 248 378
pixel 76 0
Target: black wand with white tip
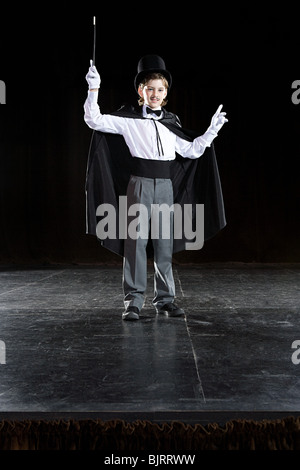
pixel 94 43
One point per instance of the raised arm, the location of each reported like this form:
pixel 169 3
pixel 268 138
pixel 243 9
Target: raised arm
pixel 92 115
pixel 196 148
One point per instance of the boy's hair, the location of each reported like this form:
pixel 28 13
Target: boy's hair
pixel 153 76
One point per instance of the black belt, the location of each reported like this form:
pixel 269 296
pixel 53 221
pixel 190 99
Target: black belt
pixel 152 168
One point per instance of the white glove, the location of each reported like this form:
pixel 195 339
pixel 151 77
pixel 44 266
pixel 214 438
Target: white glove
pixel 217 121
pixel 93 77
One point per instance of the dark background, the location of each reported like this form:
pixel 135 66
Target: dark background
pixel 240 57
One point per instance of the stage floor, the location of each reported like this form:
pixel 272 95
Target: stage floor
pixel 65 351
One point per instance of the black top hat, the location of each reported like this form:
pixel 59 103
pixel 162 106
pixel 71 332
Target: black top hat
pixel 151 64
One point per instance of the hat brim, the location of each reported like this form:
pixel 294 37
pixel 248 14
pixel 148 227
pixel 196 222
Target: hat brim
pixel 140 76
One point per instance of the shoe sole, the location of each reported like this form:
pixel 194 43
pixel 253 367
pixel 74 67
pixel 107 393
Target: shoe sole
pixel 130 316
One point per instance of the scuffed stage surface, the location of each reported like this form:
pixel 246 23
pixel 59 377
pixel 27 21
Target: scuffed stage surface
pixel 67 351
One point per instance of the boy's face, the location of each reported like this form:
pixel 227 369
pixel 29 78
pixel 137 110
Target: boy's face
pixel 154 92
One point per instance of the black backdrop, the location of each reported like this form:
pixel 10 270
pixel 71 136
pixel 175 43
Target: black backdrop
pixel 240 57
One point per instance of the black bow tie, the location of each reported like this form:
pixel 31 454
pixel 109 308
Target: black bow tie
pixel 155 111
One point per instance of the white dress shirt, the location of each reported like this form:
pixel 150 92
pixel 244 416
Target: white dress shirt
pixel 140 134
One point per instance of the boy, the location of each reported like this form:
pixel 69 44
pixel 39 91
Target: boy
pixel 154 138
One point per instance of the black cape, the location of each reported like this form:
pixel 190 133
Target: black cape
pixel 195 181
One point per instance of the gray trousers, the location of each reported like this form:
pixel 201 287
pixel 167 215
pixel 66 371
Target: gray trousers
pixel 147 192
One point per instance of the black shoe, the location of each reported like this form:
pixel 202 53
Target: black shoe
pixel 131 314
pixel 171 310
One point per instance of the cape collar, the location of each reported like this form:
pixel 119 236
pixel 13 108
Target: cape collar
pixel 170 120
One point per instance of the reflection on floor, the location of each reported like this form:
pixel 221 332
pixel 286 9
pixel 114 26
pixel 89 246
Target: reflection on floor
pixel 65 351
